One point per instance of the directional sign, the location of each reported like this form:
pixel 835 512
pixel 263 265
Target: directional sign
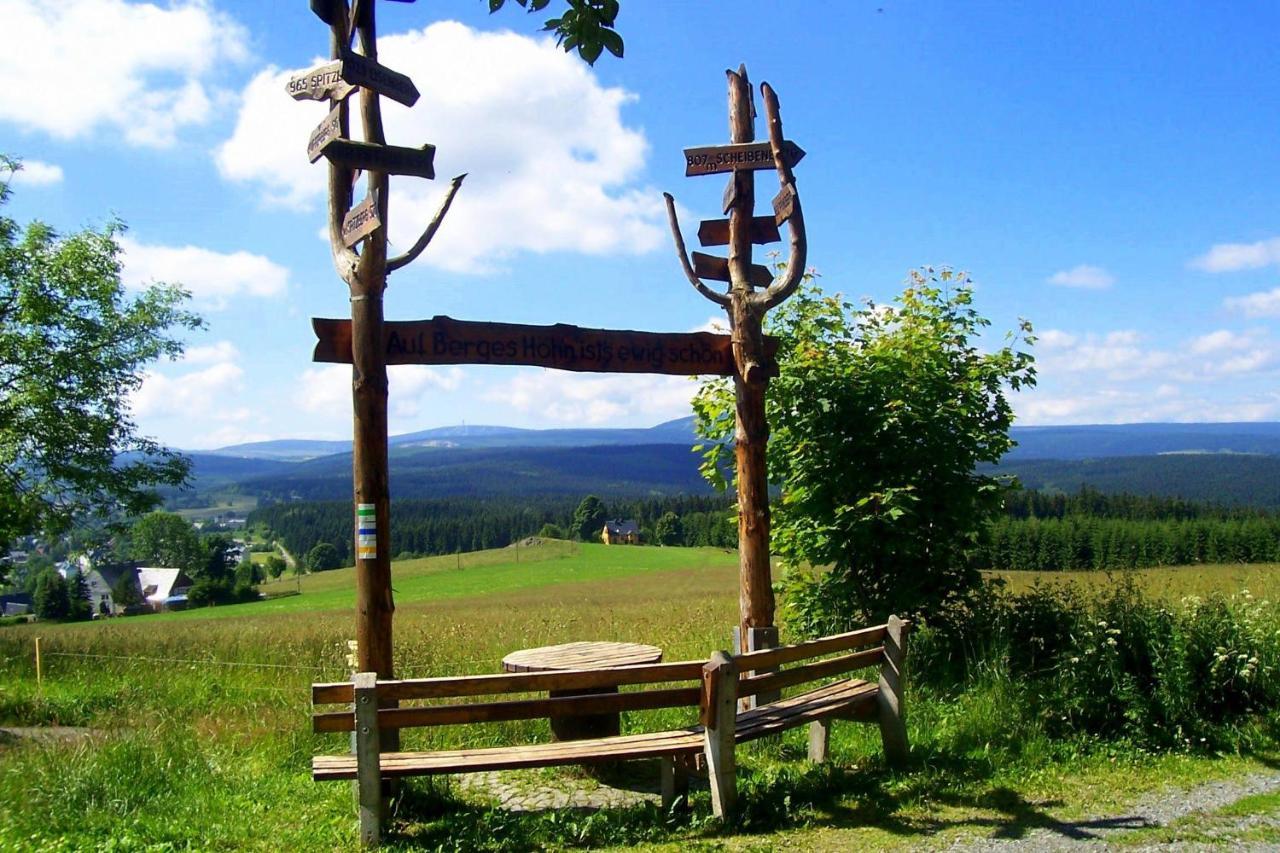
pixel 364 72
pixel 730 195
pixel 784 204
pixel 715 232
pixel 319 83
pixel 717 269
pixel 711 159
pixel 392 159
pixel 442 340
pixel 361 221
pixel 327 131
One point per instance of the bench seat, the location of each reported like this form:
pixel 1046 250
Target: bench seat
pixel 848 697
pixel 625 747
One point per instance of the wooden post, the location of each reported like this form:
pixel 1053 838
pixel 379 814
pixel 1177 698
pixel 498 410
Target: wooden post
pixel 675 782
pixel 39 669
pixel 819 740
pixel 368 769
pixel 719 717
pixel 747 307
pixel 893 721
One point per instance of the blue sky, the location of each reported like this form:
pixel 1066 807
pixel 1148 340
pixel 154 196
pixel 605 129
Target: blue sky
pixel 1109 171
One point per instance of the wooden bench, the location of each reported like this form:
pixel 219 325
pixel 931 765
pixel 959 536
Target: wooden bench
pixel 724 681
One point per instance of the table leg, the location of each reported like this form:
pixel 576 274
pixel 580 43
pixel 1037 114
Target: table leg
pixel 584 726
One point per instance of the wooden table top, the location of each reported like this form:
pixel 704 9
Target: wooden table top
pixel 581 655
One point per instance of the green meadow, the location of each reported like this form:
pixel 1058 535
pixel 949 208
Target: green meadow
pixel 190 730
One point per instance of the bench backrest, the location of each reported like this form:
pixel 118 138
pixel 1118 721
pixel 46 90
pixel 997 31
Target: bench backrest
pixel 759 672
pixel 501 710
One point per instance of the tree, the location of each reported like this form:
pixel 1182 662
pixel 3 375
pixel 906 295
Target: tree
pixel 275 566
pixel 126 592
pixel 879 419
pixel 588 518
pixel 323 557
pixel 73 346
pixel 50 598
pixel 669 530
pixel 586 25
pixel 79 605
pixel 167 540
pixel 551 531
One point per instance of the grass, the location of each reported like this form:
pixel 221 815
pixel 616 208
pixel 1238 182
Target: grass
pixel 1168 583
pixel 203 735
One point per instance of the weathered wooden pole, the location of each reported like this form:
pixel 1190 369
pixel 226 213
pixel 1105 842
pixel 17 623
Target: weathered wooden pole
pixel 746 306
pixel 365 273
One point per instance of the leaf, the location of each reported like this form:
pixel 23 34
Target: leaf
pixel 612 41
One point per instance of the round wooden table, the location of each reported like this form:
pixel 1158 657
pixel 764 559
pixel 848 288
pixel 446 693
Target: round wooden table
pixel 582 655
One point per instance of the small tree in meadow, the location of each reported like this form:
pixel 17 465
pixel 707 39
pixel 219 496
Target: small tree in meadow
pixel 878 422
pixel 323 557
pixel 669 530
pixel 588 518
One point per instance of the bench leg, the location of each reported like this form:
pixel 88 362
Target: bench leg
pixel 720 687
pixel 675 782
pixel 368 761
pixel 893 721
pixel 819 740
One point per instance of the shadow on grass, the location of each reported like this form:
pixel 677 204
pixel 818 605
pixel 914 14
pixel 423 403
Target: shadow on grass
pixel 907 804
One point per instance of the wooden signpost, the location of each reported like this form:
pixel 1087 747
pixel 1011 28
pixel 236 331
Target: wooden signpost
pixel 443 340
pixel 358 241
pixel 749 297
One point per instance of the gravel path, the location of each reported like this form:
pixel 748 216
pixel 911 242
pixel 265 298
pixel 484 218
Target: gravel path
pixel 1152 811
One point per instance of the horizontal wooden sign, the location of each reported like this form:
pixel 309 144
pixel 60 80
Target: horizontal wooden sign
pixel 392 159
pixel 443 340
pixel 364 72
pixel 711 159
pixel 717 269
pixel 361 221
pixel 784 204
pixel 319 83
pixel 715 232
pixel 325 132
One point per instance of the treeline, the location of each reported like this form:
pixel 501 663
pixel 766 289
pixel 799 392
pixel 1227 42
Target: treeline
pixel 1090 502
pixel 430 527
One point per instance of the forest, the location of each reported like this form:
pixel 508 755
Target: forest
pixel 1084 530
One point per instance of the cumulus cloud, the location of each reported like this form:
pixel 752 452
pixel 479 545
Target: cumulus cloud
pixel 35 173
pixel 556 397
pixel 414 390
pixel 206 381
pixel 138 68
pixel 1083 276
pixel 1265 303
pixel 1233 257
pixel 552 166
pixel 213 278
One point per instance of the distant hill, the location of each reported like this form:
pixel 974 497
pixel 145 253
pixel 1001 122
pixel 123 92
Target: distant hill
pixel 1229 462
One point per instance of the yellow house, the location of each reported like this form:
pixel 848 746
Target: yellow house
pixel 621 532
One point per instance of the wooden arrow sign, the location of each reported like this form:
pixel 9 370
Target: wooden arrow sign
pixel 784 204
pixel 325 132
pixel 364 72
pixel 715 232
pixel 361 221
pixel 717 269
pixel 391 159
pixel 712 159
pixel 730 195
pixel 319 83
pixel 442 340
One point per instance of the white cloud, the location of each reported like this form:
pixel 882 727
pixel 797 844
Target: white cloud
pixel 1265 303
pixel 560 398
pixel 1232 257
pixel 1116 355
pixel 74 66
pixel 1055 339
pixel 1083 276
pixel 1222 339
pixel 414 390
pixel 213 278
pixel 35 173
pixel 552 166
pixel 212 388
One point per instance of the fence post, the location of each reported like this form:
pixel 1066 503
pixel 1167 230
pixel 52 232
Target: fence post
pixel 893 721
pixel 368 770
pixel 39 669
pixel 719 717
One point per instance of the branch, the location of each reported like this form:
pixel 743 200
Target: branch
pixel 410 256
pixel 794 273
pixel 721 299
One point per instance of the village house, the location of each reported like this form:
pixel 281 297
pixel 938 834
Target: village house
pixel 621 533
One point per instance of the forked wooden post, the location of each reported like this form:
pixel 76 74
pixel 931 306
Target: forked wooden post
pixel 368 763
pixel 719 704
pixel 893 721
